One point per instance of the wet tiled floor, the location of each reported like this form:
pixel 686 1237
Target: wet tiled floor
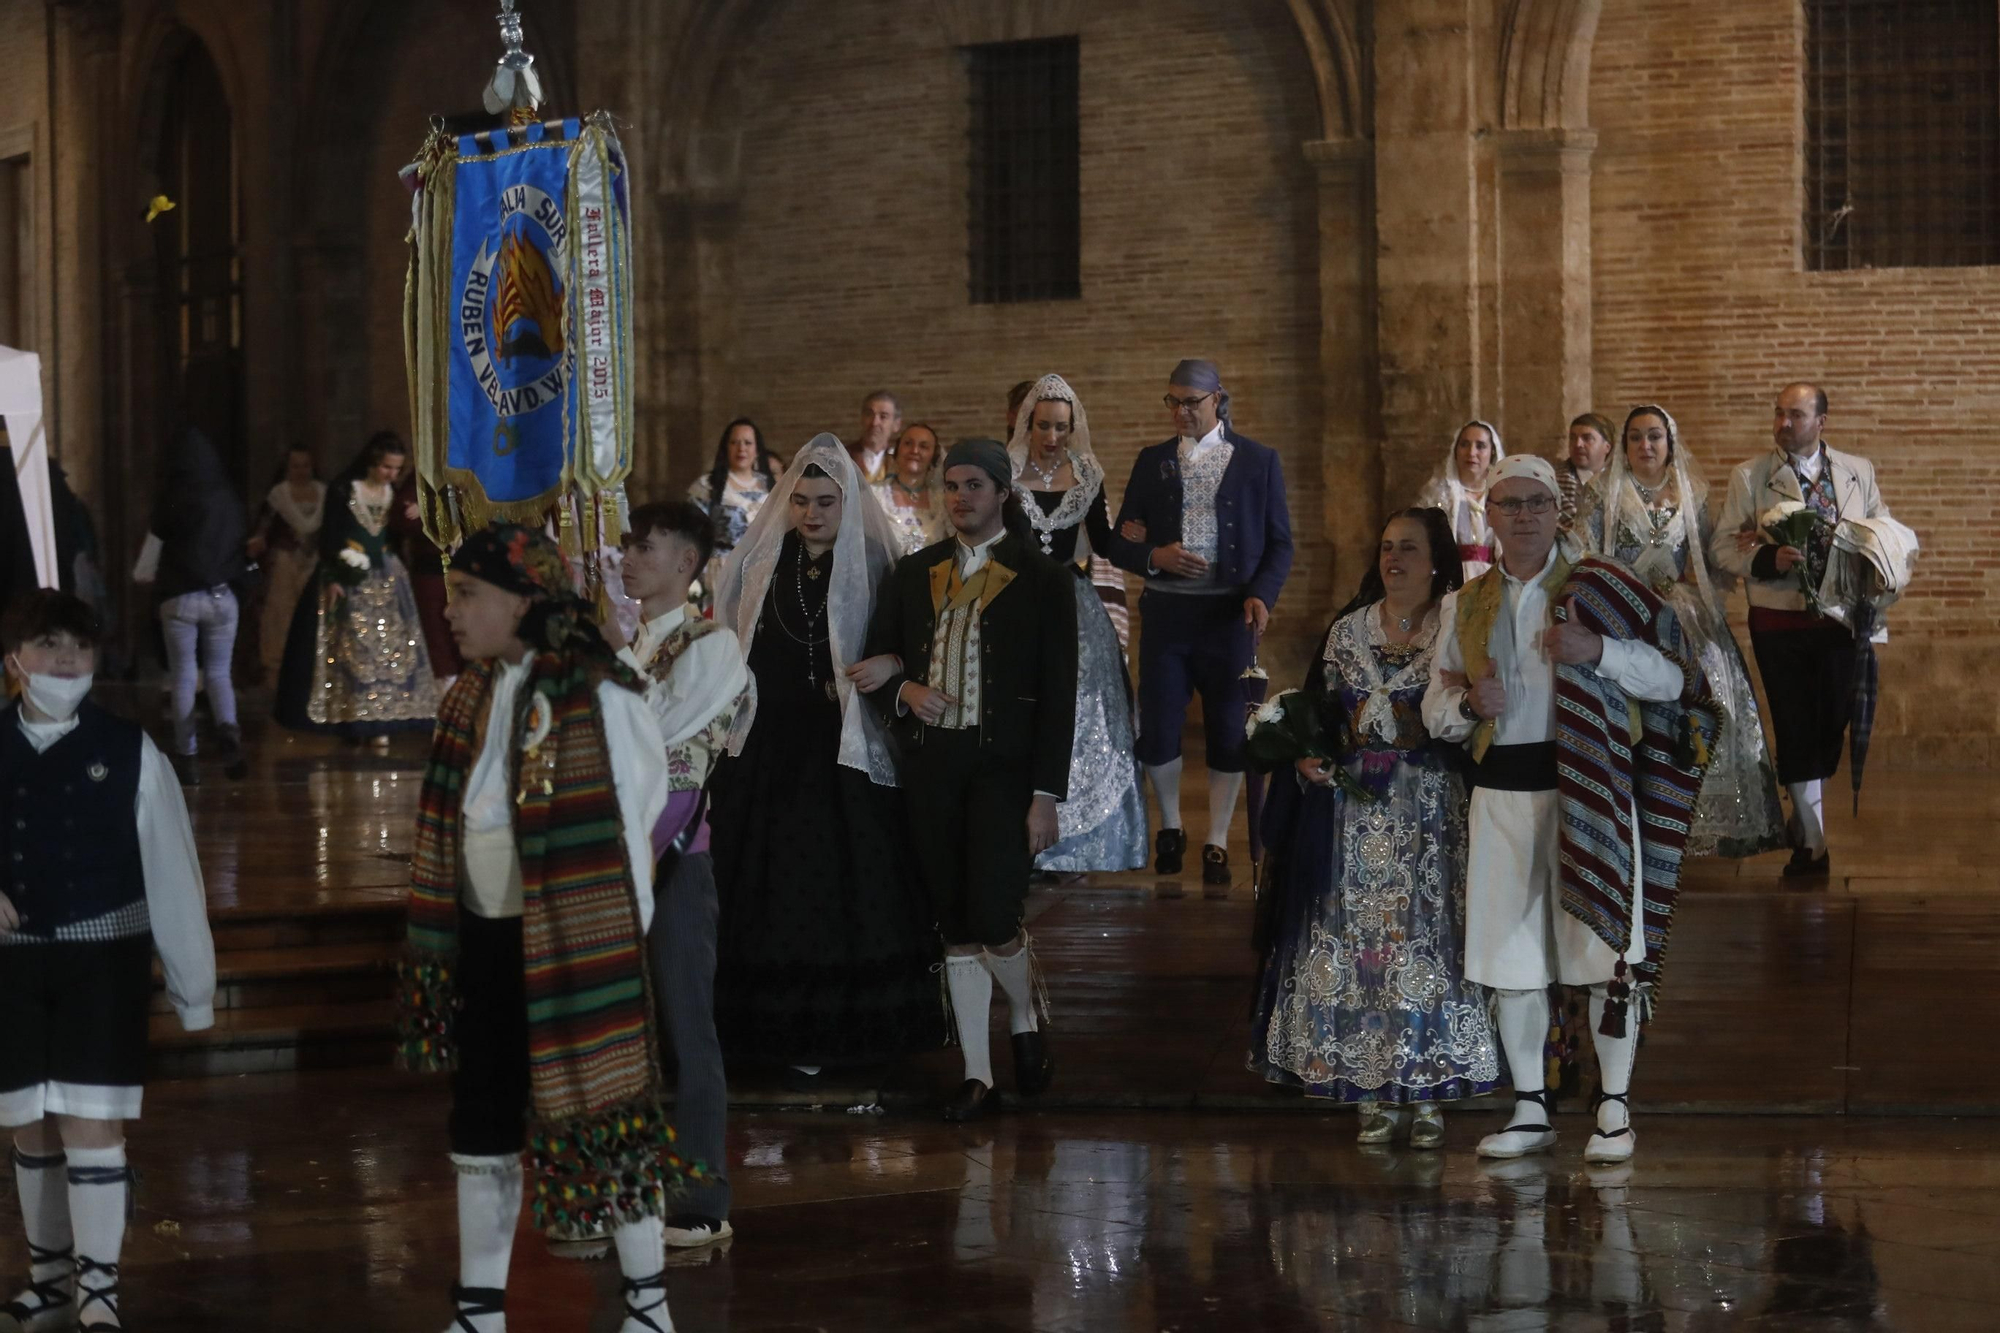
pixel 1161 1187
pixel 323 1201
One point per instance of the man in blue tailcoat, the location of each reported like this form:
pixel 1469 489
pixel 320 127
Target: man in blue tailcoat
pixel 1204 522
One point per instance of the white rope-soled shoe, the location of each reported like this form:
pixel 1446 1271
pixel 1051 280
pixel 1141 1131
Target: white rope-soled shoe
pixel 1521 1140
pixel 1610 1147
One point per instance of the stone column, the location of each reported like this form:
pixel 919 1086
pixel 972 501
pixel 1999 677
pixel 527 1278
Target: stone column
pixel 1351 439
pixel 1426 219
pixel 1544 310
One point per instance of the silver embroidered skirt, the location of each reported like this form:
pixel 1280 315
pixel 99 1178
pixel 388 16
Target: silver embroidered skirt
pixel 1103 823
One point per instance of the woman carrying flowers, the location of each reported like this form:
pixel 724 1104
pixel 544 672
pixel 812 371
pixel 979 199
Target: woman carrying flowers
pixel 1362 996
pixel 355 663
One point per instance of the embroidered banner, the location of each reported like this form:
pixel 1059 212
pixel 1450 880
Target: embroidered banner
pixel 517 329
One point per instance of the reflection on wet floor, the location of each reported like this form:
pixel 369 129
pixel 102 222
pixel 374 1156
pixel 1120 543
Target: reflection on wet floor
pixel 323 1201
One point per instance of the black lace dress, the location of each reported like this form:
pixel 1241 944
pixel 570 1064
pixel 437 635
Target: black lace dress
pixel 826 945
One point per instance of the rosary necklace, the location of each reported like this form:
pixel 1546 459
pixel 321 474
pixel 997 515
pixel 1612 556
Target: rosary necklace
pixel 813 637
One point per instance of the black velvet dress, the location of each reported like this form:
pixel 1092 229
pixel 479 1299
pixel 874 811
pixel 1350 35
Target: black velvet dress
pixel 826 946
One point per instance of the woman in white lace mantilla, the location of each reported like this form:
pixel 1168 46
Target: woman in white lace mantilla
pixel 1103 823
pixel 1459 488
pixel 1650 510
pixel 826 942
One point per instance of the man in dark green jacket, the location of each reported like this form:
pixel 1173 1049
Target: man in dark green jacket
pixel 972 655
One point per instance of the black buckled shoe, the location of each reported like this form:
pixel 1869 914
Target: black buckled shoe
pixel 1034 1064
pixel 975 1101
pixel 1169 846
pixel 1215 871
pixel 1804 865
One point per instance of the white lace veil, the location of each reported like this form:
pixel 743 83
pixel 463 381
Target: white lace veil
pixel 1623 507
pixel 1446 486
pixel 863 551
pixel 1089 472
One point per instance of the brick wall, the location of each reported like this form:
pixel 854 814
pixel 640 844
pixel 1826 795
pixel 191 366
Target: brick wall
pixel 1702 303
pixel 1198 235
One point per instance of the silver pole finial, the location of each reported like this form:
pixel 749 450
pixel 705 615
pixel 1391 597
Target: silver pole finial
pixel 515 83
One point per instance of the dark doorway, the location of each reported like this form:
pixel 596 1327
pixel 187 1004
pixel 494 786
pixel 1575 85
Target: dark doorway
pixel 198 269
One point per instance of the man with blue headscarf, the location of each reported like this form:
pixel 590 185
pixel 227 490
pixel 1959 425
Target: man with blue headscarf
pixel 1204 522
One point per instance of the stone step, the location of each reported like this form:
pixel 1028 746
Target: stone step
pixel 275 1039
pixel 308 974
pixel 240 930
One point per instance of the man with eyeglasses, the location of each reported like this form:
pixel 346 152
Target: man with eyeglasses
pixel 1204 522
pixel 1568 877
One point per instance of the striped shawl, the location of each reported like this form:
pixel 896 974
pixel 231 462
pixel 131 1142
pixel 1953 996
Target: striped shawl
pixel 1610 746
pixel 600 1147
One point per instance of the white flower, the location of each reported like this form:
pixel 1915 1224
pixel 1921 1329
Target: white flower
pixel 1273 710
pixel 1778 513
pixel 354 558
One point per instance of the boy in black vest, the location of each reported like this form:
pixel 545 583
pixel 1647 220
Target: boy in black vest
pixel 98 867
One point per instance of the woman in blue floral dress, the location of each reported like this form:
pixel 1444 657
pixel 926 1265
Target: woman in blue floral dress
pixel 1363 996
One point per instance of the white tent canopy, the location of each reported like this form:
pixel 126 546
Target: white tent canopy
pixel 21 405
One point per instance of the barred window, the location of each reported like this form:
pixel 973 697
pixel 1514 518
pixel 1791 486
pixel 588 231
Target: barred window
pixel 1024 216
pixel 1902 133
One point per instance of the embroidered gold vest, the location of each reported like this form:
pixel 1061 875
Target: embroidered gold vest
pixel 956 660
pixel 689 763
pixel 1479 604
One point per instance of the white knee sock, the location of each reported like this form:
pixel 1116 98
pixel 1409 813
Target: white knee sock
pixel 1167 791
pixel 1809 808
pixel 642 1255
pixel 1615 1057
pixel 1223 789
pixel 100 1192
pixel 1013 975
pixel 971 988
pixel 42 1181
pixel 489 1208
pixel 1524 1032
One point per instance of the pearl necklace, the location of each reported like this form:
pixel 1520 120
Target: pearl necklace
pixel 1048 478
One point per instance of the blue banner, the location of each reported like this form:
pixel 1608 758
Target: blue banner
pixel 509 363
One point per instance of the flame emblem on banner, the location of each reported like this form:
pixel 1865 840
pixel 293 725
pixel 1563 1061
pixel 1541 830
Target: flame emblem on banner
pixel 526 309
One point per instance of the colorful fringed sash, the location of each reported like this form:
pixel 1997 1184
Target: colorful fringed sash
pixel 601 1147
pixel 1610 746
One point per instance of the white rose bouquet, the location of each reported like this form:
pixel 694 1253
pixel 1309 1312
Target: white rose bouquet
pixel 1295 725
pixel 1790 523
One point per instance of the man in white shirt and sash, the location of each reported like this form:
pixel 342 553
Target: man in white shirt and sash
pixel 1494 685
pixel 546 778
pixel 699 691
